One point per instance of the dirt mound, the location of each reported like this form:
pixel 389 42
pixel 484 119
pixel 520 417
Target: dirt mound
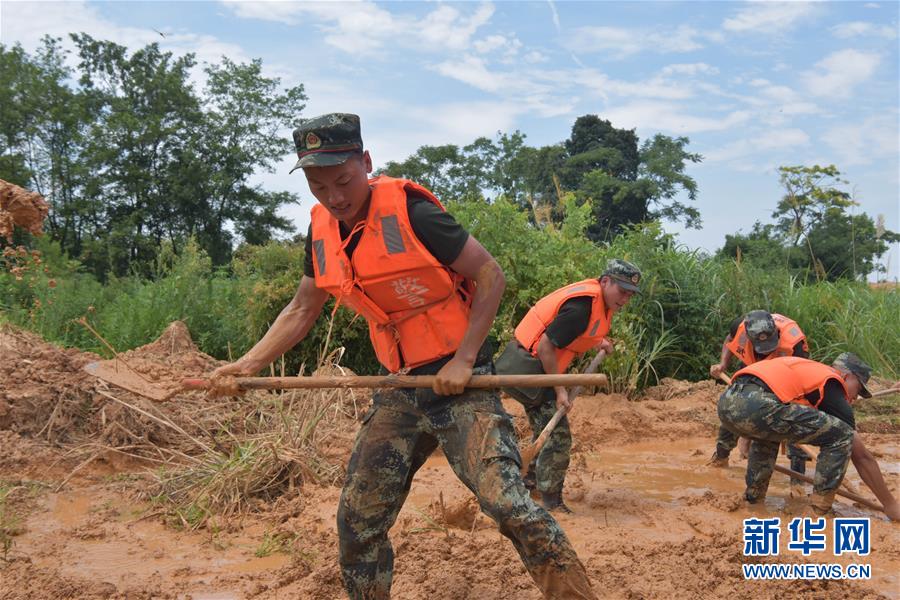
pixel 45 391
pixel 20 207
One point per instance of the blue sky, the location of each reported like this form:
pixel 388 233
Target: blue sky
pixel 754 85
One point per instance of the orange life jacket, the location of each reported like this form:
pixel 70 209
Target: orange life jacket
pixel 535 323
pixel 789 334
pixel 790 378
pixel 417 309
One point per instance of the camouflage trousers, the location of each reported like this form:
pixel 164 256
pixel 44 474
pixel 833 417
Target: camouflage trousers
pixel 399 432
pixel 550 465
pixel 746 409
pixel 727 441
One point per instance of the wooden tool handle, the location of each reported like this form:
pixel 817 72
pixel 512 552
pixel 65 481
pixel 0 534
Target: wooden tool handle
pixel 534 449
pixel 401 381
pixel 840 492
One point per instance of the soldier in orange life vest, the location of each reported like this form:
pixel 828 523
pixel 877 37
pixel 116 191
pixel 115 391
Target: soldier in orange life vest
pixel 803 401
pixel 759 336
pixel 560 327
pixel 429 291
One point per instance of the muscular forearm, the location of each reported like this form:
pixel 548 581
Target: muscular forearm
pixel 870 472
pixel 489 286
pixel 291 326
pixel 546 353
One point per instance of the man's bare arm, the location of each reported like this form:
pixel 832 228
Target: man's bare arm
pixel 291 326
pixel 870 473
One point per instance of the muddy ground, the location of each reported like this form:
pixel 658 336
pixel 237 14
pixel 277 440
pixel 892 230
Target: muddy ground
pixel 79 517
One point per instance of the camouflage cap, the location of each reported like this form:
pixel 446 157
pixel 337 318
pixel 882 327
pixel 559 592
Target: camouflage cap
pixel 624 273
pixel 851 363
pixel 761 331
pixel 327 140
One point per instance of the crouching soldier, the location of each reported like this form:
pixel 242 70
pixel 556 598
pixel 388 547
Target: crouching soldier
pixel 560 327
pixel 802 401
pixel 756 337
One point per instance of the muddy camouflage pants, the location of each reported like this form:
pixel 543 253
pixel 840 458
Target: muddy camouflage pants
pixel 550 465
pixel 727 441
pixel 746 409
pixel 399 432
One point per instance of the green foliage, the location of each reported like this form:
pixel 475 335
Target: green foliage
pixel 131 156
pixel 814 236
pixel 268 277
pixel 602 165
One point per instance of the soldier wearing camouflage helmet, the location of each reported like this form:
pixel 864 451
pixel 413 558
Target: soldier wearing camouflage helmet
pixel 760 335
pixel 387 249
pixel 561 326
pixel 803 401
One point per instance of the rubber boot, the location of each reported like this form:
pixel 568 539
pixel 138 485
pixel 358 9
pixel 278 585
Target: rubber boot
pixel 563 579
pixel 717 460
pixel 553 502
pixel 821 503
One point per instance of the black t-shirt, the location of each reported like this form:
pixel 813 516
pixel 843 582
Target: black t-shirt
pixel 572 320
pixel 835 403
pixel 438 231
pixel 799 350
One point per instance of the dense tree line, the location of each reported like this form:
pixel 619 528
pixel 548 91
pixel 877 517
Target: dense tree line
pixel 134 155
pixel 625 182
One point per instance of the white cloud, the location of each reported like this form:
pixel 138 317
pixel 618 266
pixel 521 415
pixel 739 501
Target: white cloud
pixel 555 14
pixel 765 143
pixel 838 74
pixel 766 17
pixel 28 22
pixel 863 28
pixel 537 91
pixel 664 116
pixel 689 69
pixel 620 42
pixel 365 27
pixel 655 87
pixel 864 142
pixel 534 57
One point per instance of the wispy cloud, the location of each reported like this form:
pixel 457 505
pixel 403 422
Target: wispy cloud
pixel 366 27
pixel 555 14
pixel 863 28
pixel 769 141
pixel 32 20
pixel 860 143
pixel 620 42
pixel 766 17
pixel 670 117
pixel 838 74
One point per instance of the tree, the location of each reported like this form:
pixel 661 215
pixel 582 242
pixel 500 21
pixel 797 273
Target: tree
pixel 763 245
pixel 814 233
pixel 663 163
pixel 847 246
